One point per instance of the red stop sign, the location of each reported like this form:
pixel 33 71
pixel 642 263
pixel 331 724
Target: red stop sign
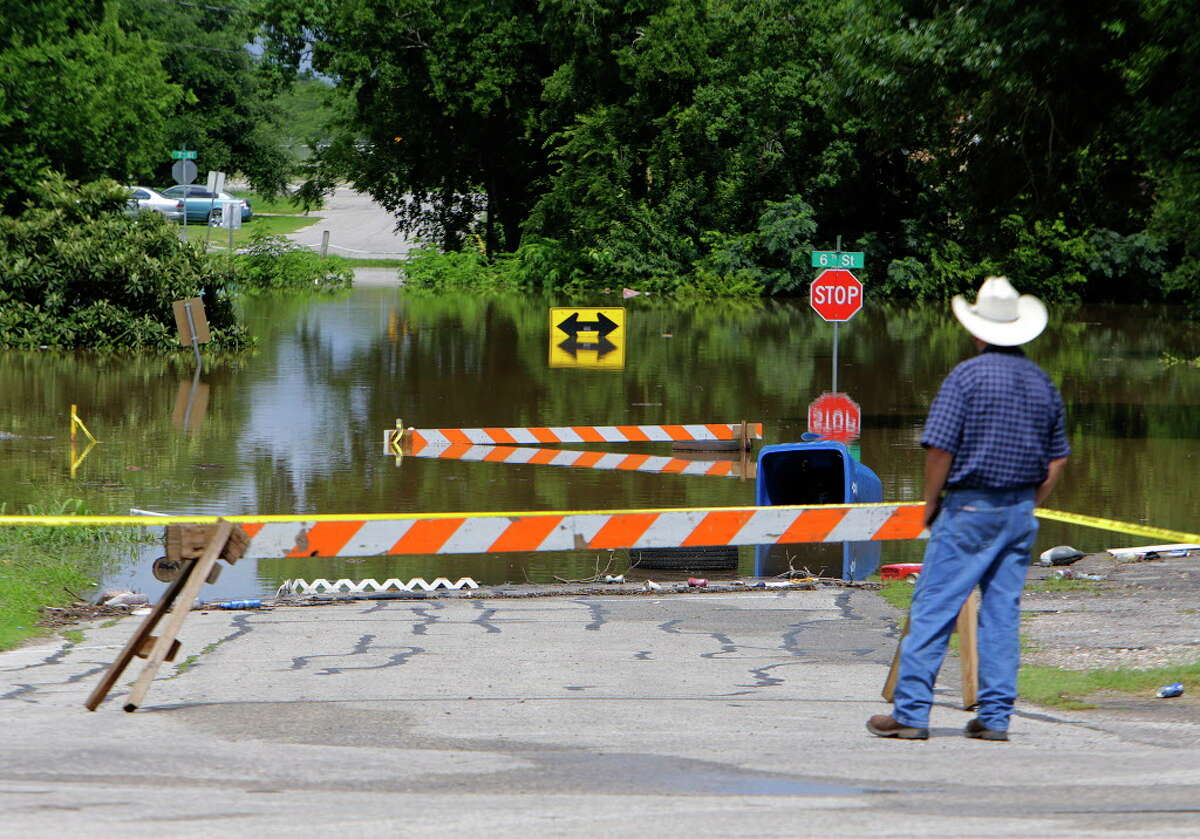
pixel 836 416
pixel 837 295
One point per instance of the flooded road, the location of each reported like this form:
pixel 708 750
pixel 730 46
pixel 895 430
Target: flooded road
pixel 297 426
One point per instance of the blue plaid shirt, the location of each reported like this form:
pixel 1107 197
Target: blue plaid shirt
pixel 1001 417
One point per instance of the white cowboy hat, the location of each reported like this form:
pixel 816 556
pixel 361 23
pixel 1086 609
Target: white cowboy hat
pixel 999 316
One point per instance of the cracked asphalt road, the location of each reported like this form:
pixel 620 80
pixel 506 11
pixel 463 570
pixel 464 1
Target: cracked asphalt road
pixel 669 716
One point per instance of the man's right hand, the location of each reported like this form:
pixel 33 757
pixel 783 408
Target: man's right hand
pixel 931 511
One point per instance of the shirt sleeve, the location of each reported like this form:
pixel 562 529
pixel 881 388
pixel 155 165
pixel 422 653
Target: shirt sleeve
pixel 943 426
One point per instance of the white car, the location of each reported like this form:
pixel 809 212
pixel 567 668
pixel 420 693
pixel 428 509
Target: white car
pixel 144 199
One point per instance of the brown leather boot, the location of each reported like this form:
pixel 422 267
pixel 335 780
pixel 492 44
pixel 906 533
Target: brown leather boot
pixel 979 731
pixel 885 725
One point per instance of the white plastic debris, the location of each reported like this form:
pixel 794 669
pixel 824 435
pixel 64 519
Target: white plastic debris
pixel 322 586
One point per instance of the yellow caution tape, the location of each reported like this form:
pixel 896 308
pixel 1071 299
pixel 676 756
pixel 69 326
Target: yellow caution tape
pixel 1118 526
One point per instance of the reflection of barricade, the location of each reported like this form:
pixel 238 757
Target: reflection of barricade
pixel 618 461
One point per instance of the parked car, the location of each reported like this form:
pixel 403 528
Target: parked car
pixel 143 199
pixel 203 206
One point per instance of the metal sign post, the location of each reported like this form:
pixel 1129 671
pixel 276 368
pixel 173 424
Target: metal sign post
pixel 183 170
pixel 836 294
pixel 216 183
pixel 192 324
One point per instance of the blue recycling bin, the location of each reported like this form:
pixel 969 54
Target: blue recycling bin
pixel 817 472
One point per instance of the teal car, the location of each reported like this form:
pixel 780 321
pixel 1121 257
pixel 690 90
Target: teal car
pixel 203 206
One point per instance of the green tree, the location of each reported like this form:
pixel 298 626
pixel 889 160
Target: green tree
pixel 707 119
pixel 79 96
pixel 1162 76
pixel 445 98
pixel 1015 120
pixel 229 114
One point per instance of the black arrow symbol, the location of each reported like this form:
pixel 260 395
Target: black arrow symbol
pixel 602 347
pixel 572 326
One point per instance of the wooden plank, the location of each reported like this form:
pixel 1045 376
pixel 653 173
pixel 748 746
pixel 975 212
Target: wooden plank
pixel 968 651
pixel 138 640
pixel 188 541
pixel 889 687
pixel 968 655
pixel 199 573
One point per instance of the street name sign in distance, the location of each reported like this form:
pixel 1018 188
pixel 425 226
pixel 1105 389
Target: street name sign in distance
pixel 837 259
pixel 836 295
pixel 183 154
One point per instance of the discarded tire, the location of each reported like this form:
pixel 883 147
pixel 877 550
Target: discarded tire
pixel 722 558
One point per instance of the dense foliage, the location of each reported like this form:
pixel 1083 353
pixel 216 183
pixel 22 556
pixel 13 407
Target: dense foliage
pixel 669 143
pixel 230 115
pixel 77 95
pixel 275 263
pixel 77 271
pixel 106 88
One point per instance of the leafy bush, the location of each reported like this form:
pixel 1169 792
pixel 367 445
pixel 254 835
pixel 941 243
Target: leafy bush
pixel 77 271
pixel 772 259
pixel 1048 258
pixel 946 269
pixel 275 263
pixel 429 269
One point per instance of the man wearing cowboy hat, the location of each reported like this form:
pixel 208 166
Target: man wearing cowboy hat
pixel 995 444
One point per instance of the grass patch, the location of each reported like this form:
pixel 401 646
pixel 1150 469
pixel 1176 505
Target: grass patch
pixel 370 263
pixel 190 662
pixel 283 205
pixel 75 636
pixel 1071 688
pixel 898 595
pixel 1053 584
pixel 48 566
pixel 266 225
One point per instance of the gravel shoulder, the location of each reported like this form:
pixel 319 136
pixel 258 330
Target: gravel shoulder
pixel 1144 614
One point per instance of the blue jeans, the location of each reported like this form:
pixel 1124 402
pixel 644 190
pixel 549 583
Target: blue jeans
pixel 981 538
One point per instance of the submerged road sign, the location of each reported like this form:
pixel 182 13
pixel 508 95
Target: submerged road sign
pixel 587 337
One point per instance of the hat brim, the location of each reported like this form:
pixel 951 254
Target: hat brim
pixel 1032 318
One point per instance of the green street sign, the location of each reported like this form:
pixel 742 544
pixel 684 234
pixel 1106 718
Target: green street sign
pixel 181 154
pixel 836 259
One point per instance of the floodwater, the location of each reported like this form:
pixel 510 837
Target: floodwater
pixel 297 426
